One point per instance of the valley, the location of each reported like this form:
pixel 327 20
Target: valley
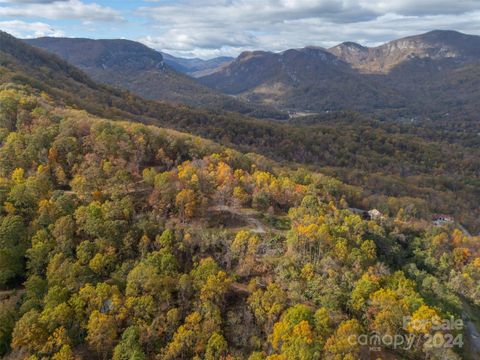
pixel 134 67
pixel 268 207
pixel 410 77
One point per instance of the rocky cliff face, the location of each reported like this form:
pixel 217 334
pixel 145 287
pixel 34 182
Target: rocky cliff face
pixel 435 45
pixel 408 75
pixel 308 79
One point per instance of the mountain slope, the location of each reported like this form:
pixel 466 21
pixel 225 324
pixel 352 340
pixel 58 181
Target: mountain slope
pixel 122 241
pixel 410 77
pixel 139 69
pixel 424 172
pixel 301 79
pixel 447 46
pixel 119 240
pixel 25 64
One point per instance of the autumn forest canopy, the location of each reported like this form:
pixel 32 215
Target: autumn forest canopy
pixel 140 229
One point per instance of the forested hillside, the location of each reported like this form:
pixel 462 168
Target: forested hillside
pixel 309 79
pixel 423 167
pixel 126 241
pixel 133 66
pixel 25 64
pixel 428 76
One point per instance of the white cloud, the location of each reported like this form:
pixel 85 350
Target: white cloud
pixel 64 9
pixel 218 27
pixel 25 30
pixel 208 28
pixel 420 7
pixel 30 1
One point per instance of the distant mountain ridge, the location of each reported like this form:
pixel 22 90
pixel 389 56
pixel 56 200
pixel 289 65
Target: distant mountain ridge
pixel 410 76
pixel 434 45
pixel 135 67
pixel 124 63
pixel 102 54
pixel 426 75
pixel 196 67
pixel 359 151
pixel 310 79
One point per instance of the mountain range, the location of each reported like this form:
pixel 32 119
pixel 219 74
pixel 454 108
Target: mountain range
pixel 431 164
pixel 125 241
pixel 135 228
pixel 447 46
pixel 135 67
pixel 422 75
pixel 425 76
pixel 309 79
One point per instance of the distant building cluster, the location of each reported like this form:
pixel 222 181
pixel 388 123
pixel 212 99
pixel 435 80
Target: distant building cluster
pixel 373 214
pixel 441 219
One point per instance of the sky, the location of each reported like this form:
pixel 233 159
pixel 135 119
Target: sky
pixel 210 28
